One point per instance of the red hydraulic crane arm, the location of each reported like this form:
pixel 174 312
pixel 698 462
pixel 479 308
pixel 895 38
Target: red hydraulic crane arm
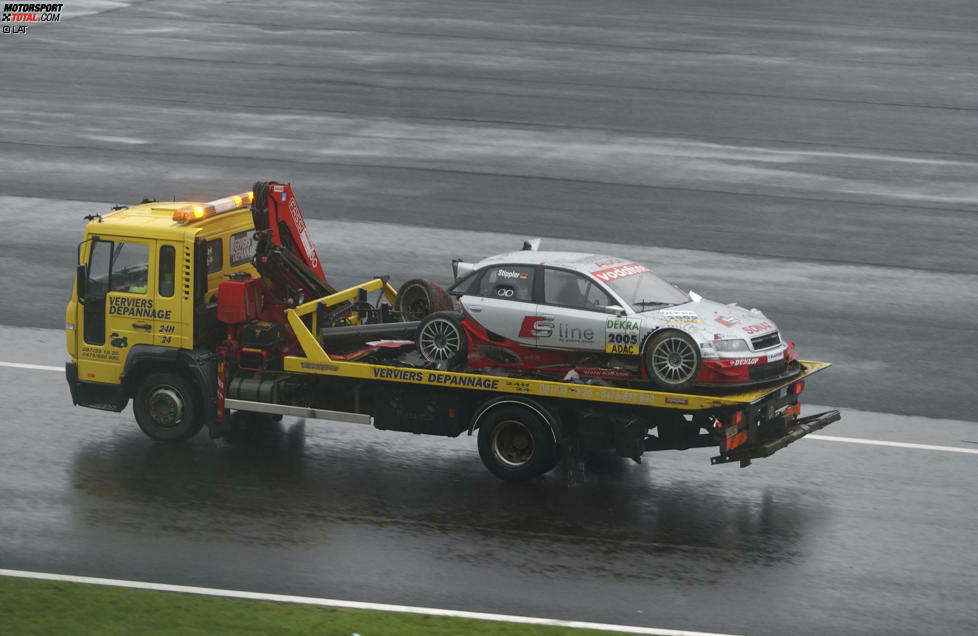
pixel 285 254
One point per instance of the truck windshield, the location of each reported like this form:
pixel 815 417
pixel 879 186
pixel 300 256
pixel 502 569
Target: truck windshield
pixel 645 291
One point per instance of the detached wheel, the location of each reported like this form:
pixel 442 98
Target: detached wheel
pixel 515 444
pixel 419 297
pixel 166 408
pixel 441 338
pixel 672 360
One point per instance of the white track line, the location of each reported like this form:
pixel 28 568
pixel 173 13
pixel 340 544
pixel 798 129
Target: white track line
pixel 876 442
pixel 382 607
pixel 36 367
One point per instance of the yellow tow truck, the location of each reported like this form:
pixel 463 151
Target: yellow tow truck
pixel 192 310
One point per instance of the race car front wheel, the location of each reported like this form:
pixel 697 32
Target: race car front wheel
pixel 672 361
pixel 441 338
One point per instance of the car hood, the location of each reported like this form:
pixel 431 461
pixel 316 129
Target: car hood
pixel 707 319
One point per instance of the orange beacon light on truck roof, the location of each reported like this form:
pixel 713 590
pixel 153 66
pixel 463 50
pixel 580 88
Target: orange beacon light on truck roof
pixel 190 213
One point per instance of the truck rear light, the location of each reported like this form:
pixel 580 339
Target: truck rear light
pixel 798 387
pixel 736 419
pixel 195 212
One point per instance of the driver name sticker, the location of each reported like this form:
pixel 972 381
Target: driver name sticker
pixel 502 273
pixel 621 336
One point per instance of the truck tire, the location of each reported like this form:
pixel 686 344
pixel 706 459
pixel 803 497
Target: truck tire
pixel 441 338
pixel 515 444
pixel 166 408
pixel 419 297
pixel 672 361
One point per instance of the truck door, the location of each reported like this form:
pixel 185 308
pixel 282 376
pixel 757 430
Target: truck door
pixel 118 311
pixel 504 303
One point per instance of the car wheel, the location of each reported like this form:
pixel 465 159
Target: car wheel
pixel 419 297
pixel 515 445
pixel 441 338
pixel 166 408
pixel 672 361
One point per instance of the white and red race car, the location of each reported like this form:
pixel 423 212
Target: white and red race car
pixel 587 316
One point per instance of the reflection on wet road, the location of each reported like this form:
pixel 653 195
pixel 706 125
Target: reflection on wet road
pixel 344 511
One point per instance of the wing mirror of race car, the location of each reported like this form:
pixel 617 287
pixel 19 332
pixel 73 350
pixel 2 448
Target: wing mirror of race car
pixel 615 310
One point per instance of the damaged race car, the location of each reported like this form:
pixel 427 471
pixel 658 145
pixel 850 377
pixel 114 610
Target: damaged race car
pixel 584 316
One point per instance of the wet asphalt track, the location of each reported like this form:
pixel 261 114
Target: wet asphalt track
pixel 814 159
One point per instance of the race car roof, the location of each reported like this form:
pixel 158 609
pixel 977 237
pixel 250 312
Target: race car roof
pixel 579 261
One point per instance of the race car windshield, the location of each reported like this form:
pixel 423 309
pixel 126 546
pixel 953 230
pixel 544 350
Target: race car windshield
pixel 645 291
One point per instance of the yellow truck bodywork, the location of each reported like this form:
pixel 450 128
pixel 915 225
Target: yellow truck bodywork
pixel 153 302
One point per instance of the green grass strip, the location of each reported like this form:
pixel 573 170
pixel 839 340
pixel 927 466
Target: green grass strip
pixel 53 607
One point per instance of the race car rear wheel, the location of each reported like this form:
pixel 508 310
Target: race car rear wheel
pixel 672 361
pixel 419 297
pixel 441 338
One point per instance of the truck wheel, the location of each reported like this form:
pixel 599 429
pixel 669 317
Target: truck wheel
pixel 672 361
pixel 419 297
pixel 166 408
pixel 516 445
pixel 441 338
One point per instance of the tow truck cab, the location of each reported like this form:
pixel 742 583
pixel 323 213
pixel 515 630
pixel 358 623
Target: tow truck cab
pixel 145 295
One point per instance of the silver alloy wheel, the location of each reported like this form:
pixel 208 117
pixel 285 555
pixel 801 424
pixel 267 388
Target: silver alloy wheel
pixel 512 443
pixel 674 360
pixel 440 339
pixel 165 406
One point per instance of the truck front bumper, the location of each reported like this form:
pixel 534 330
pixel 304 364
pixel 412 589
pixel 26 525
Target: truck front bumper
pixel 765 448
pixel 106 397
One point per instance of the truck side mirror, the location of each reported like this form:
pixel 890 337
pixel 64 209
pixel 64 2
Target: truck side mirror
pixel 81 281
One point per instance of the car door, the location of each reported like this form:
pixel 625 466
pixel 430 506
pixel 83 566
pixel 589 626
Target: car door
pixel 576 306
pixel 503 303
pixel 118 310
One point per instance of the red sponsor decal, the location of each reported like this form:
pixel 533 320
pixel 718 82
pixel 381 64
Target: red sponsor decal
pixel 622 271
pixel 536 327
pixel 758 328
pixel 726 322
pixel 601 372
pixel 740 362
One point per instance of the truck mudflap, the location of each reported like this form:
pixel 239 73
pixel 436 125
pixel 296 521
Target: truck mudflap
pixel 801 427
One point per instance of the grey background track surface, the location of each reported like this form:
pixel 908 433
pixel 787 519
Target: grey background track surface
pixel 786 134
pixel 817 160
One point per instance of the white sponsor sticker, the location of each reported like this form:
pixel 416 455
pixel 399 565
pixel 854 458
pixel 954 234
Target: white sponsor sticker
pixel 774 357
pixel 621 336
